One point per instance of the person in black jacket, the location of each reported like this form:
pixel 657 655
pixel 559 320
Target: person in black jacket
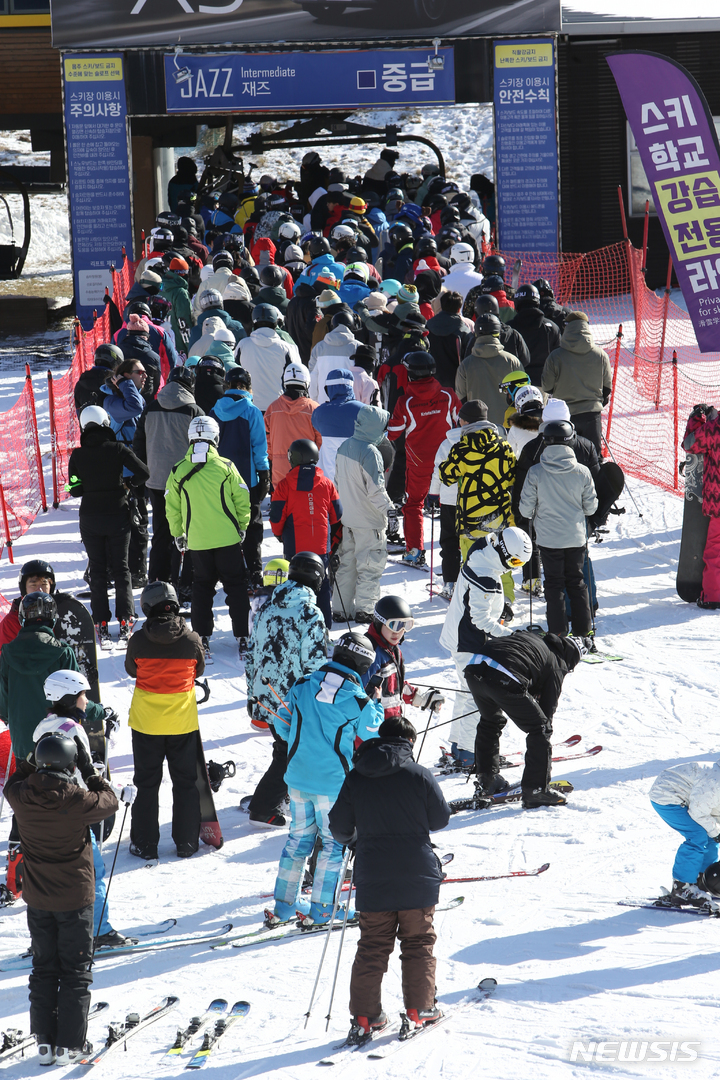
pixel 521 677
pixel 136 346
pixel 388 806
pixel 301 316
pixel 510 340
pixel 209 382
pixel 88 388
pixel 95 470
pixel 448 338
pixel 549 305
pixel 540 334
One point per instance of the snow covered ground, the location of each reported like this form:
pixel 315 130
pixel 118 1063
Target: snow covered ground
pixel 571 964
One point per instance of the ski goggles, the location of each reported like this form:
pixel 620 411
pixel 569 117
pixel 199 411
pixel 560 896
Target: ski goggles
pixel 396 625
pixel 514 561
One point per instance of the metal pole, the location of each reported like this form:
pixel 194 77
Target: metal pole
pixel 342 603
pixel 107 891
pixel 8 538
pixel 427 728
pixel 627 486
pixel 614 380
pixel 645 237
pixel 342 939
pixel 35 437
pixel 338 893
pixel 432 547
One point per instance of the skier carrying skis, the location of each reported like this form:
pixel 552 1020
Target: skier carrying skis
pixel 687 798
pixel 388 806
pixel 326 711
pixel 53 816
pixel 392 619
pixel 164 657
pixel 521 677
pixel 288 640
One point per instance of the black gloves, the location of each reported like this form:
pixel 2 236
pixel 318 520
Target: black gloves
pixel 96 783
pixel 262 487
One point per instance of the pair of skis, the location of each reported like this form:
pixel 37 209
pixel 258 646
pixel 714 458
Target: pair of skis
pixel 216 1011
pixel 448 768
pixel 394 1037
pixel 512 795
pixel 14 1042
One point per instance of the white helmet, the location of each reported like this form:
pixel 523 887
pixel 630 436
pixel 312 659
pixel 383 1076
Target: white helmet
pixel 359 269
pixel 210 298
pixel 343 232
pixel 290 230
pixel 462 253
pixel 514 547
pixel 527 396
pixel 64 683
pixel 296 375
pixel 94 414
pixel 204 429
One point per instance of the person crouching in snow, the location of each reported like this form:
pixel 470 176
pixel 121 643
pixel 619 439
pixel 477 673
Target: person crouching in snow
pixel 392 619
pixel 388 805
pixel 687 798
pixel 327 710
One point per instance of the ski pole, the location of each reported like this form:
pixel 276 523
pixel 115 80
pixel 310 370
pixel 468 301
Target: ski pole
pixel 432 550
pixel 342 604
pixel 590 600
pixel 627 488
pixel 450 689
pixel 338 892
pixel 266 682
pixel 342 939
pixel 107 891
pixel 427 728
pixel 7 774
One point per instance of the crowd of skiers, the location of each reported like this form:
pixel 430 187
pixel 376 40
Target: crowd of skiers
pixel 356 353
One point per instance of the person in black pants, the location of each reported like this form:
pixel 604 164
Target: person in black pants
pixel 521 677
pixel 95 470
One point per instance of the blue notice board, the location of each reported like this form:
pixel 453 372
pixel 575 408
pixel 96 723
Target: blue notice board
pixel 232 82
pixel 526 151
pixel 98 175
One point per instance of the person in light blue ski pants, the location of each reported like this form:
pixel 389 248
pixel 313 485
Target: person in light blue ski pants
pixel 100 891
pixel 697 852
pixel 309 818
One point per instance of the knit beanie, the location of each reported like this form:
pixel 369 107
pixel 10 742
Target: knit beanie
pixel 555 409
pixel 407 294
pixel 376 301
pixel 576 316
pixel 472 411
pixel 328 298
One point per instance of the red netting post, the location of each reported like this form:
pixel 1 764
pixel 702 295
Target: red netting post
pixel 53 441
pixel 8 539
pixel 612 392
pixel 36 437
pixel 676 482
pixel 666 305
pixel 643 265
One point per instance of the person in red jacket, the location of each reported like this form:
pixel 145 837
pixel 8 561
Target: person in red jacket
pixel 35 576
pixel 424 416
pixel 305 513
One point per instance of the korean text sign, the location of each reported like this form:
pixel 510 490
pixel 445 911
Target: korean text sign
pixel 674 132
pixel 526 153
pixel 230 82
pixel 98 174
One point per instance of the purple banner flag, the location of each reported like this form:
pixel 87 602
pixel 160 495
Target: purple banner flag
pixel 678 146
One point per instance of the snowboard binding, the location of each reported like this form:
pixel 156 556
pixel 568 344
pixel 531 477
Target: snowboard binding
pixel 218 773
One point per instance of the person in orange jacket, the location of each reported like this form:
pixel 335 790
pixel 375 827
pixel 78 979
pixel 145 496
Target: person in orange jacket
pixel 288 418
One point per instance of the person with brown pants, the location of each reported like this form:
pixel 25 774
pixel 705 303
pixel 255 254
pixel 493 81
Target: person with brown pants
pixel 387 807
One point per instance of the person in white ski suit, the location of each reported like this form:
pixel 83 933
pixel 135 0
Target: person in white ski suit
pixel 687 798
pixel 334 351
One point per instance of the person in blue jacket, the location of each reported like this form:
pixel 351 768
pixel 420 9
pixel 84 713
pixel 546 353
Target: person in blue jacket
pixel 211 306
pixel 354 286
pixel 321 258
pixel 335 419
pixel 326 711
pixel 243 440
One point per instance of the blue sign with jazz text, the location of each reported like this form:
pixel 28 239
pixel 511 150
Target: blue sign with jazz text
pixel 232 82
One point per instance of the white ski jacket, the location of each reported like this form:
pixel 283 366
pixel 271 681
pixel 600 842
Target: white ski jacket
pixel 477 603
pixel 695 787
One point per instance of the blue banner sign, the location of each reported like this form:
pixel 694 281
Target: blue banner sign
pixel 232 82
pixel 526 152
pixel 98 175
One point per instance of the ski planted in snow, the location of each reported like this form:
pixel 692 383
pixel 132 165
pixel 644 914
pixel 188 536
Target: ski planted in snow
pixel 486 987
pixel 212 1038
pixel 14 1042
pixel 118 1034
pixel 184 1035
pixel 513 794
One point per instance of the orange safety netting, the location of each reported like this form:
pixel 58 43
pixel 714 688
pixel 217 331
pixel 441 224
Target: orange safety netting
pixel 22 485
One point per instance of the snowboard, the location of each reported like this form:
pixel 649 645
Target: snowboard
pixel 75 627
pixel 210 832
pixel 694 533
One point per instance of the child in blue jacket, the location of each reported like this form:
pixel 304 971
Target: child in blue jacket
pixel 327 710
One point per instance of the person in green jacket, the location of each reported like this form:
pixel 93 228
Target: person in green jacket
pixel 208 510
pixel 175 289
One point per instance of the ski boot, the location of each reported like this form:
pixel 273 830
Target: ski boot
pixel 126 629
pixel 447 590
pixel 533 585
pixel 415 1019
pixel 242 644
pixel 285 913
pixel 362 1027
pixel 507 614
pixel 46 1053
pixel 490 784
pixel 66 1056
pixel 103 635
pixel 114 940
pixel 206 650
pixel 687 893
pixel 320 914
pixel 274 820
pixel 363 617
pixel 414 557
pixel 532 798
pixel 392 533
pixel 149 854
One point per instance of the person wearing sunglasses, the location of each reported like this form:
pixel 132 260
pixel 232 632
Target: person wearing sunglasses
pixel 392 619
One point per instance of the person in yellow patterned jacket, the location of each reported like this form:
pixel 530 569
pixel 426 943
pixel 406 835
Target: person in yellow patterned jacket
pixel 164 657
pixel 482 465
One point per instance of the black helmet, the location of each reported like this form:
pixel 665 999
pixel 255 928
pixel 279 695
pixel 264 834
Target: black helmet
pixel 393 612
pixel 183 375
pixel 449 215
pixel 344 318
pixel 357 253
pixel 400 233
pixel 544 287
pixel 494 264
pixel 108 356
pixel 139 307
pixel 159 598
pixel 265 315
pixel 223 258
pixel 355 651
pixel 487 325
pixel 709 880
pixel 35 568
pixel 526 296
pixel 210 363
pixel 317 245
pixel 237 378
pixel 303 452
pixel 37 607
pixel 557 432
pixel 250 275
pixel 307 568
pixel 486 304
pixel 493 283
pixel 57 753
pixel 419 365
pixel 271 275
pixel 426 246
